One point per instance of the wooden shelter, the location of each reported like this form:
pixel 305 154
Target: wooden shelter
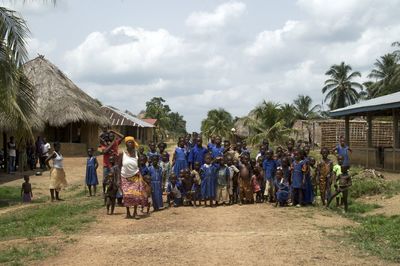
pixel 128 124
pixel 69 115
pixel 385 155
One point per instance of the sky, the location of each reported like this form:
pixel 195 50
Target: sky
pixel 203 54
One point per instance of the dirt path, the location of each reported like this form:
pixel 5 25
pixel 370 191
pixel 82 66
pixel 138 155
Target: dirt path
pixel 245 235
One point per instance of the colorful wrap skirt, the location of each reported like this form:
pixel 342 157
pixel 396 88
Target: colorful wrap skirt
pixel 134 191
pixel 57 179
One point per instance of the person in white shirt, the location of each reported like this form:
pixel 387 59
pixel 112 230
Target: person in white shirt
pixel 45 153
pixel 12 155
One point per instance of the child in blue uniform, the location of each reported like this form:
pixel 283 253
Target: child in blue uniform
pixel 196 188
pixel 281 188
pixel 343 150
pixel 299 167
pixel 308 191
pixel 179 161
pixel 155 172
pixel 197 153
pixel 91 172
pixel 208 174
pixel 269 166
pixel 218 149
pixel 152 150
pixel 174 191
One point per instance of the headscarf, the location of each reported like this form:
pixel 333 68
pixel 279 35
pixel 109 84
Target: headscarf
pixel 130 138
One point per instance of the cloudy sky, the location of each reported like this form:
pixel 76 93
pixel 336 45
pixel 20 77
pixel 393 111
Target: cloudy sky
pixel 203 54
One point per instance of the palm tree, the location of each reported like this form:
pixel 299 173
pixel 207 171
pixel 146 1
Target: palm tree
pixel 178 124
pixel 266 122
pixel 384 73
pixel 155 108
pixel 288 114
pixel 17 102
pixel 303 109
pixel 218 122
pixel 342 91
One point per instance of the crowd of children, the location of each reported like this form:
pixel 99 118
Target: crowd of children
pixel 224 173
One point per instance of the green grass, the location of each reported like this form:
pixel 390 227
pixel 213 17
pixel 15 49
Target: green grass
pixel 380 235
pixel 20 254
pixel 45 220
pixel 368 187
pixel 9 196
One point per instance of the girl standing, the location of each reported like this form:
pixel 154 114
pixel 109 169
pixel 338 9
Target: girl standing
pixel 298 169
pixel 179 161
pixel 91 172
pixel 324 175
pixel 156 183
pixel 57 174
pixel 208 173
pixel 26 190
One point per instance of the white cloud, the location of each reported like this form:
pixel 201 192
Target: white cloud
pixel 35 46
pixel 220 17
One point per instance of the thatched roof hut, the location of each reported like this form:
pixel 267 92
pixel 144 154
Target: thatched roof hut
pixel 59 100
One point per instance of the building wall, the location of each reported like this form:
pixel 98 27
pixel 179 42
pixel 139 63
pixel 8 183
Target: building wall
pixel 382 135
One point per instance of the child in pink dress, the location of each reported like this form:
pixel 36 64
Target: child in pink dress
pixel 256 180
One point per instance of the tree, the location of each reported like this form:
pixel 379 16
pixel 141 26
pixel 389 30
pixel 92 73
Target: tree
pixel 303 109
pixel 266 122
pixel 289 115
pixel 341 90
pixel 177 124
pixel 384 73
pixel 17 102
pixel 218 122
pixel 155 108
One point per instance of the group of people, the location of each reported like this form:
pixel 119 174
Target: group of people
pixel 223 173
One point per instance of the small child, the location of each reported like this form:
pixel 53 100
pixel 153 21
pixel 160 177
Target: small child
pixel 298 169
pixel 155 172
pixel 166 169
pixel 233 172
pixel 174 191
pixel 208 173
pixel 281 188
pixel 269 166
pixel 161 149
pixel 26 190
pixel 179 160
pixel 256 181
pixel 112 182
pixel 187 184
pixel 195 173
pixel 324 175
pixel 345 182
pixel 223 175
pixel 246 193
pixel 152 150
pixel 91 172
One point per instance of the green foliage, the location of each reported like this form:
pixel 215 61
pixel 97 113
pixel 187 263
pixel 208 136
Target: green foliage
pixel 369 186
pixel 47 219
pixel 360 208
pixel 340 88
pixel 303 108
pixel 167 121
pixel 380 235
pixel 267 121
pixel 218 122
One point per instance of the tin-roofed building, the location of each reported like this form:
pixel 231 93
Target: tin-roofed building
pixel 129 125
pixel 386 156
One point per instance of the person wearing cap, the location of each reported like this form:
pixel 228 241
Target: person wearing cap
pixel 133 185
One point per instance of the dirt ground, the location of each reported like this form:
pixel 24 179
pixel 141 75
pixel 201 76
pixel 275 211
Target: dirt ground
pixel 239 235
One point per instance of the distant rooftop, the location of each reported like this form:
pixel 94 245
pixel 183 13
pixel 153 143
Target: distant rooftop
pixel 380 105
pixel 150 120
pixel 119 118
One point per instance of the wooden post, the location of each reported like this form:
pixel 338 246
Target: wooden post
pixel 396 140
pixel 347 129
pixel 369 131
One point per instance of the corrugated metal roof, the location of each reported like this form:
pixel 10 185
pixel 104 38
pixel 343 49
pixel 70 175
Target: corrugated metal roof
pixel 382 103
pixel 119 118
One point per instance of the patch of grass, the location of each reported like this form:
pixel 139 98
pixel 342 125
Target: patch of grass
pixel 360 208
pixel 67 217
pixel 9 196
pixel 380 235
pixel 20 254
pixel 369 187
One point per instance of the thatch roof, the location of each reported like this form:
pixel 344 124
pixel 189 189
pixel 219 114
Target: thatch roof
pixel 59 100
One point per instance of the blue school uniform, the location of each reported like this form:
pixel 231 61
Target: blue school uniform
pixel 217 151
pixel 156 186
pixel 197 155
pixel 344 151
pixel 269 166
pixel 180 160
pixel 208 174
pixel 282 193
pixel 144 170
pixel 151 154
pixel 308 192
pixel 297 177
pixel 91 174
pixel 210 146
